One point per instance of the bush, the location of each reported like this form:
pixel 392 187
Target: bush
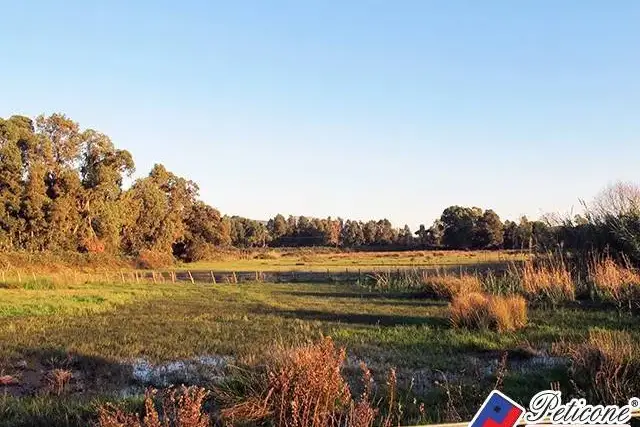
pixel 152 260
pixel 606 367
pixel 480 311
pixel 180 408
pixel 548 282
pixel 615 283
pixel 443 285
pixel 304 387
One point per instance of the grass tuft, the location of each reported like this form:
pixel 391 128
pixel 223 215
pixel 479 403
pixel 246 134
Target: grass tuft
pixel 447 286
pixel 479 311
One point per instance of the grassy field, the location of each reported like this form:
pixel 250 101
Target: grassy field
pixel 310 260
pixel 106 334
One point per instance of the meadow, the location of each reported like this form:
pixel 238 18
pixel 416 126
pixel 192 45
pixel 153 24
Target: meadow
pixel 323 259
pixel 113 340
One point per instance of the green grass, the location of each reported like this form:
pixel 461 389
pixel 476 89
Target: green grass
pixel 103 325
pixel 281 260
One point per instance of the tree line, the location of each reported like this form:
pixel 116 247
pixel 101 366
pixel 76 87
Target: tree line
pixel 61 189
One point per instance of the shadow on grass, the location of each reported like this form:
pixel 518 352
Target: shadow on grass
pixel 419 298
pixel 91 375
pixel 361 318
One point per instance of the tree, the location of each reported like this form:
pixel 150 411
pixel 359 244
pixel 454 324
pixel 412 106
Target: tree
pixel 159 203
pixel 205 229
pixel 489 231
pixel 405 237
pixel 11 172
pixel 459 226
pixel 277 227
pixel 351 235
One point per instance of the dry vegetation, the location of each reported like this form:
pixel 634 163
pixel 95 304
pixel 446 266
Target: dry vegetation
pixel 607 366
pixel 182 407
pixel 304 386
pixel 498 313
pixel 616 283
pixel 447 286
pixel 547 282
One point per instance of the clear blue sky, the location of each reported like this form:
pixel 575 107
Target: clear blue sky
pixel 359 109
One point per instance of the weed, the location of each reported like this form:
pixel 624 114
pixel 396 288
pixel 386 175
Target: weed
pixel 181 407
pixel 57 380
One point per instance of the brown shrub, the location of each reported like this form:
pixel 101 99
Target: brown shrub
pixel 606 367
pixel 304 387
pixel 153 260
pixel 613 282
pixel 548 282
pixel 180 408
pixel 480 311
pixel 447 286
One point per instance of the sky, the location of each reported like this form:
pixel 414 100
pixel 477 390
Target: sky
pixel 359 109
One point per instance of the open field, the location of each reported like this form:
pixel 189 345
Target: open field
pixel 311 260
pixel 118 338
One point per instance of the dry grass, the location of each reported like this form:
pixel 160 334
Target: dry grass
pixel 57 380
pixel 479 311
pixel 445 285
pixel 613 282
pixel 547 282
pixel 606 367
pixel 180 408
pixel 304 388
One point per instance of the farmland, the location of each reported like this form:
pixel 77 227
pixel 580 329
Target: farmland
pixel 118 338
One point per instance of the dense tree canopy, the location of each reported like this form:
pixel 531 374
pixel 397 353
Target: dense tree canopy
pixel 62 188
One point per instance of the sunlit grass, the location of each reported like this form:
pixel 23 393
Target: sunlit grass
pixel 281 260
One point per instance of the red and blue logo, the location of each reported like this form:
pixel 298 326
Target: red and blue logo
pixel 497 411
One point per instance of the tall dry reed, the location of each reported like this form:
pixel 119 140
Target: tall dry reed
pixel 547 282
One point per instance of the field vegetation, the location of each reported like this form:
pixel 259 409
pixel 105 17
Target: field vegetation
pixel 71 348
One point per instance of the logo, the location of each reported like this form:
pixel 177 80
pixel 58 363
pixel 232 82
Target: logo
pixel 497 411
pixel 546 409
